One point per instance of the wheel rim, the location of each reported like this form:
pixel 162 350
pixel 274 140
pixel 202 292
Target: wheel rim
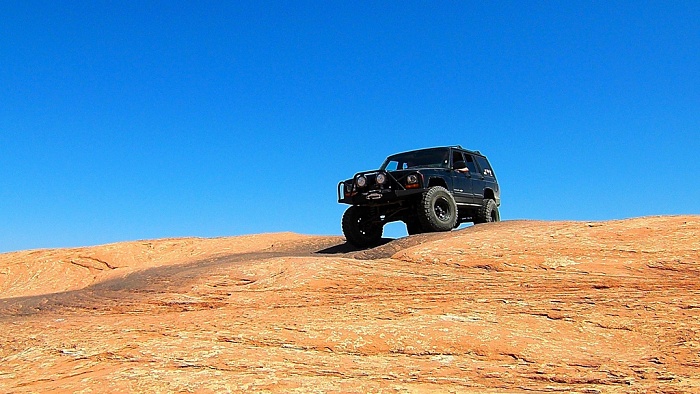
pixel 442 210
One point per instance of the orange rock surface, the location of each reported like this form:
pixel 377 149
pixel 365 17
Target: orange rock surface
pixel 515 306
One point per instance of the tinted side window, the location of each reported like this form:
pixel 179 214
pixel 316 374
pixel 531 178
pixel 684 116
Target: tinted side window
pixel 485 166
pixel 456 156
pixel 470 163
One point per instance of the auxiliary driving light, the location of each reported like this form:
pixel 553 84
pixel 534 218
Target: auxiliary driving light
pixel 361 181
pixel 381 178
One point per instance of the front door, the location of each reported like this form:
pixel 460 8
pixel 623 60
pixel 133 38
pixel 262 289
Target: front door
pixel 461 180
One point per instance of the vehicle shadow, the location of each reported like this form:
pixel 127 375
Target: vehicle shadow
pixel 347 247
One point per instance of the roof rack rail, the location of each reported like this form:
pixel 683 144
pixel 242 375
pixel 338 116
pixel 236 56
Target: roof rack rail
pixel 468 150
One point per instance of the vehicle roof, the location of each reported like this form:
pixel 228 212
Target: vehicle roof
pixel 475 152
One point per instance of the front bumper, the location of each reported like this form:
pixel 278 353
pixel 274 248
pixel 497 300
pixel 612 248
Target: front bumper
pixel 374 197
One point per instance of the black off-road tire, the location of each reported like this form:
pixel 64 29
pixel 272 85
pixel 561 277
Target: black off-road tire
pixel 487 213
pixel 359 227
pixel 437 210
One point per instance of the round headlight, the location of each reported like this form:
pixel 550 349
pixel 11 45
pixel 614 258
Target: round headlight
pixel 413 178
pixel 361 181
pixel 381 178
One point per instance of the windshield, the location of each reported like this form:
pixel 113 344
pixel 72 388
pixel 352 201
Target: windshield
pixel 435 157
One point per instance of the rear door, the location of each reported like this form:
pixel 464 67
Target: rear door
pixel 486 178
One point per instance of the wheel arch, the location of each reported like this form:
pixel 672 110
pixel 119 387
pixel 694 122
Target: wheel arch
pixel 436 181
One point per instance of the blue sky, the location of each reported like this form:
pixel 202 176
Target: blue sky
pixel 133 120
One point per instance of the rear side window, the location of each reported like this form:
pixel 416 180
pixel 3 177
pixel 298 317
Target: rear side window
pixel 485 166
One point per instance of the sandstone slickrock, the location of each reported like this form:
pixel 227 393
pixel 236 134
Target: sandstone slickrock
pixel 515 306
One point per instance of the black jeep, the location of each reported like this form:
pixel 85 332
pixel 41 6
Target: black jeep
pixel 432 189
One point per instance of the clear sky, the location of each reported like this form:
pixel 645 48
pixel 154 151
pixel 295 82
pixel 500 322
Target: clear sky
pixel 124 120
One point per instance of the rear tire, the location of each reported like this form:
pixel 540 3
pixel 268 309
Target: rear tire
pixel 437 210
pixel 488 212
pixel 360 228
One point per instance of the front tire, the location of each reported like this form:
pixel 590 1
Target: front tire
pixel 488 213
pixel 360 227
pixel 437 210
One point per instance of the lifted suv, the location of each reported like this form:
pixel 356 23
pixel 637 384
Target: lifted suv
pixel 433 189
